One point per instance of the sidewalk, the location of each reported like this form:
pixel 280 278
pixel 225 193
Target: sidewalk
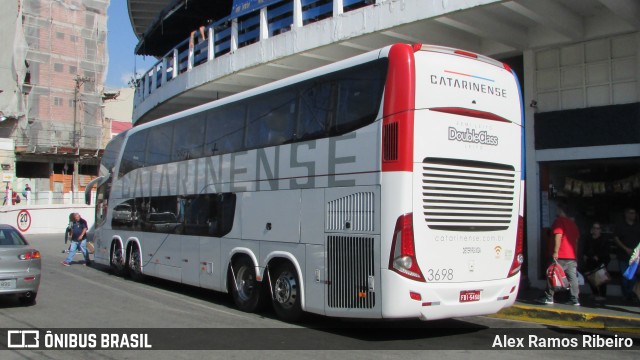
pixel 614 314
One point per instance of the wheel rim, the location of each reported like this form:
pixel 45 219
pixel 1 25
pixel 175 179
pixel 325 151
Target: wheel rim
pixel 245 283
pixel 286 290
pixel 134 261
pixel 116 258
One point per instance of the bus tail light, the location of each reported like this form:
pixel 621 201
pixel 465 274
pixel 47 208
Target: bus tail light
pixel 403 252
pixel 518 257
pixel 466 53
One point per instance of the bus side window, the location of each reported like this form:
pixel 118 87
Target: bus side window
pixel 221 222
pixel 225 130
pixel 316 106
pixel 271 119
pixel 257 130
pixel 188 138
pixel 359 97
pixel 159 148
pixel 281 122
pixel 207 214
pixel 160 214
pixel 134 153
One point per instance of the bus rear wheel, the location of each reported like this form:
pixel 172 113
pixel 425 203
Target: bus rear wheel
pixel 245 288
pixel 286 293
pixel 116 262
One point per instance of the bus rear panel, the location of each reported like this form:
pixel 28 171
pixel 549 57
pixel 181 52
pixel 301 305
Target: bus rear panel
pixel 453 245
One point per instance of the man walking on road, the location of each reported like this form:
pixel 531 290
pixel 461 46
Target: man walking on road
pixel 565 245
pixel 78 239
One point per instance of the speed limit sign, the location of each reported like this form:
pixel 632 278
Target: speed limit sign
pixel 24 220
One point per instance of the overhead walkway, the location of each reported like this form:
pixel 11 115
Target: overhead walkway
pixel 292 36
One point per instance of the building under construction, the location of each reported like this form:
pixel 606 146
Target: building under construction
pixel 52 125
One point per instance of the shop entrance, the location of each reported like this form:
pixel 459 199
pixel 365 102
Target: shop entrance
pixel 595 190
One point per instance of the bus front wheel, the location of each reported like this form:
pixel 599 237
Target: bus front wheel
pixel 286 293
pixel 116 262
pixel 245 288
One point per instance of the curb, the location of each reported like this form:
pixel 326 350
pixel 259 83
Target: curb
pixel 562 317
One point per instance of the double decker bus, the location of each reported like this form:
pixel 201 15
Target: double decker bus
pixel 388 185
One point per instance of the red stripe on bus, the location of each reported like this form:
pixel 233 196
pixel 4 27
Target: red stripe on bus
pixel 399 102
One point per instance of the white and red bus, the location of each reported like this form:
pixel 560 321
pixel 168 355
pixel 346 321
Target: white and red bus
pixel 388 185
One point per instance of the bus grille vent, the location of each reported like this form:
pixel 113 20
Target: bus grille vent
pixel 351 272
pixel 463 195
pixel 354 212
pixel 390 141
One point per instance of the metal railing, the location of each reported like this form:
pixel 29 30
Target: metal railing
pixel 229 34
pixel 48 198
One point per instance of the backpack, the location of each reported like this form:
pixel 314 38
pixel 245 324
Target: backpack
pixel 17 199
pixel 556 277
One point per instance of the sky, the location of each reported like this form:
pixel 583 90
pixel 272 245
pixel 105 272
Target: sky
pixel 121 43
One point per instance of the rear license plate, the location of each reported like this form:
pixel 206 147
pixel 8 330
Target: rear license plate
pixel 469 295
pixel 8 284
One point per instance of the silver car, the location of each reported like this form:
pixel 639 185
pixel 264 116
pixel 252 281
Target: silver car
pixel 124 214
pixel 20 266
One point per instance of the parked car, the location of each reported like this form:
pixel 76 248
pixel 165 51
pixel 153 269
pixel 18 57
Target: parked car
pixel 124 214
pixel 20 266
pixel 163 222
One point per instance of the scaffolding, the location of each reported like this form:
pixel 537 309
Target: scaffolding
pixel 64 42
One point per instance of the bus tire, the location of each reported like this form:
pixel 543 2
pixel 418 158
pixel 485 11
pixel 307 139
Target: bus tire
pixel 116 261
pixel 245 288
pixel 135 264
pixel 286 293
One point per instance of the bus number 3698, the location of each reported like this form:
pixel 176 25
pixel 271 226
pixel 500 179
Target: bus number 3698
pixel 439 274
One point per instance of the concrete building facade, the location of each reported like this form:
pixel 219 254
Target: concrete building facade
pixel 55 72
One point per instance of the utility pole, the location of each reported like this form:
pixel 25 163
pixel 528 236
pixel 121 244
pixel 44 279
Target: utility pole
pixel 79 81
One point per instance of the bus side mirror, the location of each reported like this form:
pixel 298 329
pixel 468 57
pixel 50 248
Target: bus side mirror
pixel 87 189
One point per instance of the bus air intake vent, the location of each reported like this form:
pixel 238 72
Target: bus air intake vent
pixel 464 195
pixel 350 270
pixel 390 141
pixel 353 212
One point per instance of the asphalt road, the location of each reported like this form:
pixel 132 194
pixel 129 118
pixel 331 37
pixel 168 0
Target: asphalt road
pixel 79 299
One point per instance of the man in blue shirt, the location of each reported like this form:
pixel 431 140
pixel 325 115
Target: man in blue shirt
pixel 78 239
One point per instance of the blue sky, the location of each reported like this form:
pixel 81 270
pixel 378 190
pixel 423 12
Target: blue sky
pixel 121 42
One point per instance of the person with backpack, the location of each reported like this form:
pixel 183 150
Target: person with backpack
pixel 564 247
pixel 78 240
pixel 15 198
